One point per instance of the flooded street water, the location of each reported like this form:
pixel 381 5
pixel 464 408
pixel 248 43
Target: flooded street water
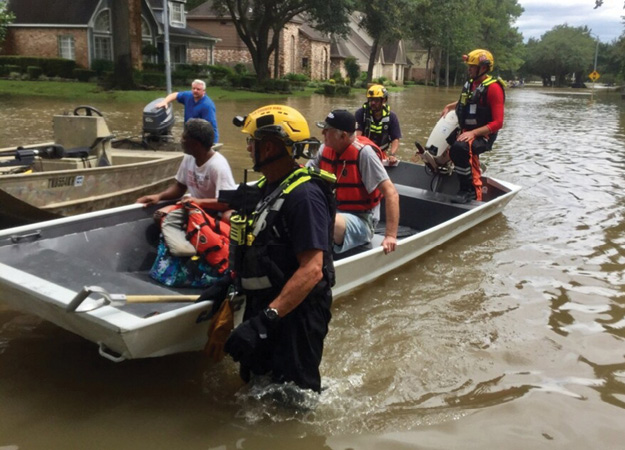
pixel 509 336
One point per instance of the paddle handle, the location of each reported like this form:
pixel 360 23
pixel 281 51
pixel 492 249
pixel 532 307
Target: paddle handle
pixel 160 298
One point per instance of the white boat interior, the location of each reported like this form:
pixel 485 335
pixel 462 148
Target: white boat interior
pixel 44 266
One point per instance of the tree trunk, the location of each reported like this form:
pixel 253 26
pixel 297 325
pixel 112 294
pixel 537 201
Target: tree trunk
pixel 437 67
pixel 447 67
pixel 260 59
pixel 372 55
pixel 122 43
pixel 427 67
pixel 276 62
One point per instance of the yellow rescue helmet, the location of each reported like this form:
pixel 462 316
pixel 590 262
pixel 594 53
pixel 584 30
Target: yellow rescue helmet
pixel 377 91
pixel 480 57
pixel 283 122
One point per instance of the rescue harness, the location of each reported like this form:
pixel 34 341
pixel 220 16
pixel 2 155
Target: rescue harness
pixel 377 131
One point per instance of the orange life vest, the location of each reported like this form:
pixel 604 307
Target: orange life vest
pixel 209 236
pixel 351 194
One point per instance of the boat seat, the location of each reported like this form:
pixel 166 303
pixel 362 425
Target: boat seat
pixel 75 273
pixel 353 251
pixel 378 237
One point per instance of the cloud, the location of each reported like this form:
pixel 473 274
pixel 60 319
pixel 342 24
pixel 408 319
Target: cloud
pixel 541 16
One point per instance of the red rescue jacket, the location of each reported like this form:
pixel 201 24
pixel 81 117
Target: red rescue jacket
pixel 209 236
pixel 351 194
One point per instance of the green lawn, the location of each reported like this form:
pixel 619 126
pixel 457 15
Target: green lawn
pixel 90 91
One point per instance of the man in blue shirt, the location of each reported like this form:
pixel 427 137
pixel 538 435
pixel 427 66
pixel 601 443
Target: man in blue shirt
pixel 197 105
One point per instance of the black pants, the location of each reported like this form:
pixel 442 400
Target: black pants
pixel 294 349
pixel 461 154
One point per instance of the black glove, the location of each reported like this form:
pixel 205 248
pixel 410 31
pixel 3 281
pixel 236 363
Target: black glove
pixel 246 338
pixel 217 292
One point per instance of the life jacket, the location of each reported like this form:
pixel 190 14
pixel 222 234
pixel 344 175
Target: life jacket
pixel 378 131
pixel 268 259
pixel 472 117
pixel 351 194
pixel 209 236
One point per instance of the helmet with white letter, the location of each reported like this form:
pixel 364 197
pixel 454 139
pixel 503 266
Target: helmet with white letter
pixel 283 122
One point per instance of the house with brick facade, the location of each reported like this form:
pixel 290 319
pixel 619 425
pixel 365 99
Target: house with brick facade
pixel 302 49
pixel 81 30
pixel 390 59
pixel 418 68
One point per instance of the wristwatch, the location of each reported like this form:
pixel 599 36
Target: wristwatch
pixel 271 314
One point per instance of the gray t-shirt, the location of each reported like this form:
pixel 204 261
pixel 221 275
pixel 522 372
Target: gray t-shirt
pixel 371 170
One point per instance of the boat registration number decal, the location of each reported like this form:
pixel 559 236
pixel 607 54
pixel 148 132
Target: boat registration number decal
pixel 58 182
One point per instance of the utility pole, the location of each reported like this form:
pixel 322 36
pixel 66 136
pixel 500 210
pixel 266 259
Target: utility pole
pixel 166 45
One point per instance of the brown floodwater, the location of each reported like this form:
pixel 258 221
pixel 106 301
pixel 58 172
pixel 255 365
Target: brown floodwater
pixel 509 336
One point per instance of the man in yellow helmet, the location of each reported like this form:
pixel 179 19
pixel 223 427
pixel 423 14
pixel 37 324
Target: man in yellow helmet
pixel 376 121
pixel 480 113
pixel 286 268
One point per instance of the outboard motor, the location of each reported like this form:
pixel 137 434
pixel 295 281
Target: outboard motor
pixel 435 155
pixel 157 122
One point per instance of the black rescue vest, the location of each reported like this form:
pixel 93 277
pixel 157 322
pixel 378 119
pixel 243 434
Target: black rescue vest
pixel 378 132
pixel 472 109
pixel 268 259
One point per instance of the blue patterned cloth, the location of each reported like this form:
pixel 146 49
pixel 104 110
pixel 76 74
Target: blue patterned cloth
pixel 176 271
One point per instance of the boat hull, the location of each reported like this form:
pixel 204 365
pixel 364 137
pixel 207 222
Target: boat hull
pixel 43 266
pixel 31 197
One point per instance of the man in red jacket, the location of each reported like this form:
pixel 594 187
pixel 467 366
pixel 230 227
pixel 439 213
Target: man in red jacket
pixel 361 183
pixel 480 113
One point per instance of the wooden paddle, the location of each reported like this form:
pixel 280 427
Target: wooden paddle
pixel 122 299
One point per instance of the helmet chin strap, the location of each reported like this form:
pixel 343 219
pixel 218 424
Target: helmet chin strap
pixel 258 163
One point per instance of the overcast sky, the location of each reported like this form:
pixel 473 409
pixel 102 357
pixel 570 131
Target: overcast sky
pixel 541 16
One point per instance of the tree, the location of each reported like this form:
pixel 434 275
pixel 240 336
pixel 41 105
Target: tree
pixel 383 20
pixel 259 23
pixel 126 20
pixel 498 35
pixel 6 17
pixel 450 28
pixel 192 4
pixel 598 4
pixel 562 51
pixel 352 68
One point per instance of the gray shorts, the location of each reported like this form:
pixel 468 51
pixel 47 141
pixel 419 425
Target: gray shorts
pixel 359 230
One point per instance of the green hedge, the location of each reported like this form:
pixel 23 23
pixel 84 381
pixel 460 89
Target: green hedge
pixel 52 67
pixel 279 86
pixel 9 68
pixel 34 72
pixel 220 73
pixel 102 65
pixel 84 74
pixel 245 81
pixel 153 79
pixel 334 89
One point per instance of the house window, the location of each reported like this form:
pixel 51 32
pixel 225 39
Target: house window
pixel 176 17
pixel 103 22
pixel 146 32
pixel 102 48
pixel 66 47
pixel 102 36
pixel 147 42
pixel 178 54
pixel 304 63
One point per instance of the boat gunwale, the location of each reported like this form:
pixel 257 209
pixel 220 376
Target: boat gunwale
pixel 127 327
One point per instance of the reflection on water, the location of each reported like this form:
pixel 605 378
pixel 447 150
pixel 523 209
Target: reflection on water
pixel 509 336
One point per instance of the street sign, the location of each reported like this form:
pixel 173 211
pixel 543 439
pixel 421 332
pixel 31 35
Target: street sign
pixel 594 76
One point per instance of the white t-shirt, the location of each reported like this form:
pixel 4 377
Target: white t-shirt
pixel 206 181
